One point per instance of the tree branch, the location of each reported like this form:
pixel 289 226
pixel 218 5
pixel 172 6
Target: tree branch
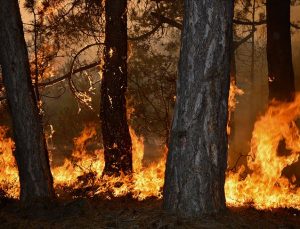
pixel 236 44
pixel 295 26
pixel 147 34
pixel 68 75
pixel 239 22
pixel 166 20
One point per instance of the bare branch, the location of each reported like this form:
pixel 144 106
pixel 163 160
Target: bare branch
pixel 147 34
pixel 239 22
pixel 68 75
pixel 295 26
pixel 166 20
pixel 236 44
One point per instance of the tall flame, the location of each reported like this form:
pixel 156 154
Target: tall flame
pixel 275 145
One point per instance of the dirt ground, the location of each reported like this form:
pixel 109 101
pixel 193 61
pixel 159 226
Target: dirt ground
pixel 128 213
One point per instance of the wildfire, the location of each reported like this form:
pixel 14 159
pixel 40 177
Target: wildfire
pixel 9 177
pixel 84 170
pixel 275 145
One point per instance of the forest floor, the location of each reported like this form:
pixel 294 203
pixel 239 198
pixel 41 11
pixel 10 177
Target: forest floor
pixel 128 213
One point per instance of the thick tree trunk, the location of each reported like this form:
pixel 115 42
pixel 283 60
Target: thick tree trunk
pixel 115 131
pixel 197 159
pixel 31 153
pixel 279 51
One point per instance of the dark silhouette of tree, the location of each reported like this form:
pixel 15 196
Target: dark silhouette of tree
pixel 115 131
pixel 279 50
pixel 197 159
pixel 31 152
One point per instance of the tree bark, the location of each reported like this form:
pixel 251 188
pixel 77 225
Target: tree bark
pixel 115 131
pixel 197 159
pixel 279 51
pixel 31 153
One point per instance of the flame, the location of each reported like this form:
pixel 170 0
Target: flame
pixel 232 101
pixel 275 145
pixel 264 187
pixel 145 182
pixel 81 162
pixel 9 177
pixel 84 169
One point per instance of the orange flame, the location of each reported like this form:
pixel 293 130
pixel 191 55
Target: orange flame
pixel 260 184
pixel 145 181
pixel 265 187
pixel 232 101
pixel 9 177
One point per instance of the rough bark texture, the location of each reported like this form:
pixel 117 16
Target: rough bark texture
pixel 115 131
pixel 197 159
pixel 279 50
pixel 31 153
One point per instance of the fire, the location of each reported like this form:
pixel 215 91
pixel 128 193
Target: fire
pixel 9 177
pixel 232 101
pixel 146 181
pixel 275 145
pixel 81 162
pixel 84 170
pixel 264 187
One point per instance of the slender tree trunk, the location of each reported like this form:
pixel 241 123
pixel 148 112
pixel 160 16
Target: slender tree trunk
pixel 279 51
pixel 31 153
pixel 115 131
pixel 197 159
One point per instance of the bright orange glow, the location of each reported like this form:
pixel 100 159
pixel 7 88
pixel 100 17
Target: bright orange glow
pixel 264 187
pixel 233 92
pixel 85 168
pixel 9 177
pixel 260 184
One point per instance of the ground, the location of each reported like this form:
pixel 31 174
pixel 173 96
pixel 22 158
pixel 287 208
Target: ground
pixel 128 213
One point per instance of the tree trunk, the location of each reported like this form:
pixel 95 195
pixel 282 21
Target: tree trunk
pixel 279 51
pixel 31 153
pixel 115 131
pixel 197 159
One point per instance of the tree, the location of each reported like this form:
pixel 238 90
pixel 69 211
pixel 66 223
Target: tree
pixel 115 131
pixel 197 159
pixel 279 50
pixel 31 153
